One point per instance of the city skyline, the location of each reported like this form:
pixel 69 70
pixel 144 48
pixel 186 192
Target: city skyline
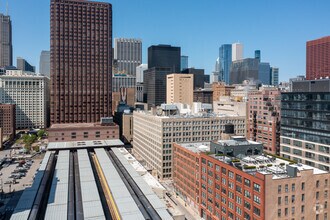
pixel 272 34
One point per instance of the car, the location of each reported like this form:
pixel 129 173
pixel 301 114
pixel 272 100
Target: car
pixel 7 182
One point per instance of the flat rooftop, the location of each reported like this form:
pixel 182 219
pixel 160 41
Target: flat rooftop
pixel 84 144
pixel 264 164
pixel 190 116
pixel 79 125
pixel 236 141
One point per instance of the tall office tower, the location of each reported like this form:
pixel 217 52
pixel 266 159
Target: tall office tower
pixel 305 123
pixel 22 64
pixel 237 51
pixel 164 56
pixel 198 77
pixel 140 71
pixel 6 47
pixel 274 74
pixel 180 89
pixel 318 58
pixel 225 56
pixel 184 62
pixel 44 63
pixel 81 60
pixel 128 53
pixel 257 54
pixel 155 85
pixel 215 75
pixel 263 123
pixel 30 94
pixel 246 69
pixel 264 74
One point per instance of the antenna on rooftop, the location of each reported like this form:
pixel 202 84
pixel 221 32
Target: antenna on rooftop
pixel 7 8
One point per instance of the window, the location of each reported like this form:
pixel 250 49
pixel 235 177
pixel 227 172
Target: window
pixel 238 178
pixel 224 171
pixel 286 211
pixel 292 210
pixel 286 188
pixel 247 182
pixel 238 200
pixel 256 199
pixel 326 194
pixel 279 213
pixel 302 186
pixel 279 200
pixel 256 187
pixel 302 209
pixel 293 188
pixel 317 195
pixel 317 184
pixel 231 175
pixel 279 188
pixel 247 194
pixel 302 197
pixel 293 198
pixel 286 200
pixel 256 211
pixel 247 205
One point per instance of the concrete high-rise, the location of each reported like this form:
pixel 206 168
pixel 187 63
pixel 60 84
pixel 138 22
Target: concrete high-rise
pixel 81 61
pixel 30 94
pixel 128 53
pixel 237 51
pixel 22 64
pixel 180 89
pixel 139 72
pixel 6 47
pixel 225 59
pixel 318 58
pixel 164 56
pixel 44 63
pixel 184 62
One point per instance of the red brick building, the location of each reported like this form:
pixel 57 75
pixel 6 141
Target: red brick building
pixel 318 58
pixel 254 187
pixel 8 120
pixel 263 122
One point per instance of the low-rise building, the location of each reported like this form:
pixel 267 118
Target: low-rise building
pixel 228 105
pixel 220 89
pixel 104 130
pixel 203 96
pixel 251 186
pixel 155 131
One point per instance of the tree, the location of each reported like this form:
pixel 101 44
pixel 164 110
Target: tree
pixel 41 133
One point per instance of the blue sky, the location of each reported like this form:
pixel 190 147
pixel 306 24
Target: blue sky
pixel 278 28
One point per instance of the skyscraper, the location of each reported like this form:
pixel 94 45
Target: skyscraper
pixel 164 56
pixel 198 77
pixel 81 55
pixel 184 62
pixel 128 53
pixel 225 59
pixel 264 73
pixel 44 63
pixel 237 51
pixel 274 74
pixel 318 58
pixel 257 54
pixel 6 48
pixel 22 64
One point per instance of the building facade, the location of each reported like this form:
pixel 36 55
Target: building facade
pixel 82 132
pixel 237 51
pixel 22 64
pixel 184 63
pixel 318 58
pixel 225 60
pixel 264 75
pixel 30 94
pixel 153 135
pixel 6 47
pixel 81 77
pixel 221 89
pixel 123 81
pixel 245 69
pixel 225 187
pixel 164 56
pixel 179 88
pixel 230 106
pixel 44 63
pixel 128 53
pixel 155 85
pixel 263 124
pixel 203 96
pixel 305 123
pixel 198 76
pixel 274 74
pixel 7 120
pixel 140 72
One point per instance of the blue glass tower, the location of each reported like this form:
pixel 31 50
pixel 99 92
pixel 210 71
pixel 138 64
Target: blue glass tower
pixel 225 62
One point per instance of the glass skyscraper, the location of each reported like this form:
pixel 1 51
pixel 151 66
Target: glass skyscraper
pixel 184 62
pixel 225 58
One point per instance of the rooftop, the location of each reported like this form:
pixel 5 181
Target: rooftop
pixel 84 144
pixel 77 125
